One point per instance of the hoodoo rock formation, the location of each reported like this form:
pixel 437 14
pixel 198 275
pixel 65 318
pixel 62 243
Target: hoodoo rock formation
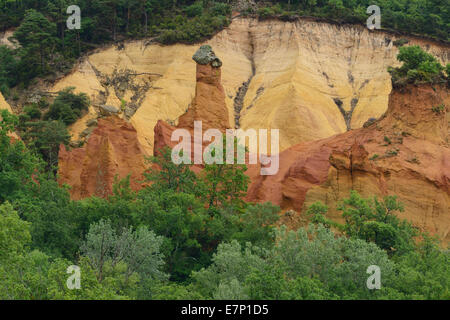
pixel 405 153
pixel 111 150
pixel 208 104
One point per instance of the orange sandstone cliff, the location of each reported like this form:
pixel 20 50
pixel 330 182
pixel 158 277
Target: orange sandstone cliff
pixel 405 153
pixel 111 150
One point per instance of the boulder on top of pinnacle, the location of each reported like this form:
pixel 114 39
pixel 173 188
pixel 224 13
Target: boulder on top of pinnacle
pixel 205 55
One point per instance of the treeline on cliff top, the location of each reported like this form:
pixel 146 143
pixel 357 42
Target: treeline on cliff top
pixel 188 236
pixel 48 48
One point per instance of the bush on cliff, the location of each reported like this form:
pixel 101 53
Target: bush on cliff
pixel 418 67
pixel 68 106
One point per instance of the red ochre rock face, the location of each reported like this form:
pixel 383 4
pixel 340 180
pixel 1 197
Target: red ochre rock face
pixel 111 150
pixel 404 153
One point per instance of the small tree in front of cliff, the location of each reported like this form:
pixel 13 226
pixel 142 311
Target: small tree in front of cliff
pixel 171 176
pixel 418 67
pixel 225 184
pixel 17 163
pixel 375 221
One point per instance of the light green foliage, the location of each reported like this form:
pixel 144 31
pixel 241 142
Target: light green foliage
pixel 139 250
pixel 174 291
pixel 91 288
pixel 418 67
pixel 14 233
pixel 340 263
pixel 231 262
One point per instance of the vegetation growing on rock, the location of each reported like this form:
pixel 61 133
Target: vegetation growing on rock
pixel 418 67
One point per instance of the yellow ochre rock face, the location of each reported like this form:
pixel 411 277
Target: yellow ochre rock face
pixel 4 104
pixel 291 76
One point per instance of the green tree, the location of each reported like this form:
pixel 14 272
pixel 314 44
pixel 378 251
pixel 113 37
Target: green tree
pixel 36 36
pixel 46 137
pixel 139 250
pixel 68 106
pixel 17 164
pixel 170 176
pixel 376 221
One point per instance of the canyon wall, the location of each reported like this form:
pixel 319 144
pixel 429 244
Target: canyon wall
pixel 405 153
pixel 316 82
pixel 309 79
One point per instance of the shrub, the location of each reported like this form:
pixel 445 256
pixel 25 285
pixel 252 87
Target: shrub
pixel 32 111
pixel 194 10
pixel 68 106
pixel 418 67
pixel 221 9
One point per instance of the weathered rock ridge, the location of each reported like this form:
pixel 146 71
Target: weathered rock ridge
pixel 405 153
pixel 111 150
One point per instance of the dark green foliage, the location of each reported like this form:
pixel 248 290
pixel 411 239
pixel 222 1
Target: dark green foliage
pixel 17 164
pixel 32 111
pixel 37 38
pixel 8 66
pixel 68 106
pixel 46 137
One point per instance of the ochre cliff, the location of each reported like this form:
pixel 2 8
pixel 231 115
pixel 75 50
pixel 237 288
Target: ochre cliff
pixel 405 153
pixel 312 80
pixel 3 104
pixel 284 75
pixel 111 150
